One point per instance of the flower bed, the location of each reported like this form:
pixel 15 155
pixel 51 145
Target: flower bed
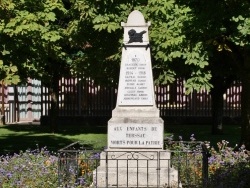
pixel 29 169
pixel 227 167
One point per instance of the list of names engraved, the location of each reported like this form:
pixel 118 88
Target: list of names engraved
pixel 136 87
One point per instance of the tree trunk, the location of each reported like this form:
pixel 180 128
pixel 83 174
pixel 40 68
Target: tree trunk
pixel 54 106
pixel 2 116
pixel 217 114
pixel 54 92
pixel 245 102
pixel 217 106
pixel 16 102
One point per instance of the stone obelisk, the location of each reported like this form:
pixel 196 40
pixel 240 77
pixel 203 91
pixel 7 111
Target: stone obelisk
pixel 135 121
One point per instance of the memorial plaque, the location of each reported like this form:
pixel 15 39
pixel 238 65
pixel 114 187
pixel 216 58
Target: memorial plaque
pixel 135 80
pixel 135 136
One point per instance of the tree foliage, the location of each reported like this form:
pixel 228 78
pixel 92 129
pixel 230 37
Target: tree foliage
pixel 33 40
pixel 198 40
pixel 99 28
pixel 31 33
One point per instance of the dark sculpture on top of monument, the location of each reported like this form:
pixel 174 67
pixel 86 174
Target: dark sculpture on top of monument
pixel 135 37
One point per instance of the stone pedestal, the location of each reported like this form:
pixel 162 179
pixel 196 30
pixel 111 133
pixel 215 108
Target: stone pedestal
pixel 135 127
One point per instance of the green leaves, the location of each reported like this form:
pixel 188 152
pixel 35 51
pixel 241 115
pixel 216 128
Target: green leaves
pixel 51 36
pixel 4 51
pixel 167 76
pixel 197 56
pixel 170 42
pixel 103 23
pixel 51 16
pixel 8 73
pixel 198 81
pixel 243 27
pixel 33 33
pixel 238 18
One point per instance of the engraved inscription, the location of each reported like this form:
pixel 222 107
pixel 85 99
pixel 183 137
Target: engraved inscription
pixel 136 136
pixel 135 79
pixel 136 87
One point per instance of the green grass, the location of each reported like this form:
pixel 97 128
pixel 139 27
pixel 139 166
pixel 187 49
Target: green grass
pixel 14 138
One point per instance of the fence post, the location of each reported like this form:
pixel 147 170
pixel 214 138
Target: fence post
pixel 205 155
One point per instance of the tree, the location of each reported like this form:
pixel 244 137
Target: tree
pixel 189 38
pixel 224 25
pixel 95 35
pixel 191 35
pixel 210 30
pixel 242 40
pixel 221 67
pixel 7 76
pixel 33 39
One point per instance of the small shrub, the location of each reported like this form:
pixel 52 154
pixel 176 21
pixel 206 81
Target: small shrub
pixel 229 168
pixel 186 157
pixel 29 169
pixel 76 168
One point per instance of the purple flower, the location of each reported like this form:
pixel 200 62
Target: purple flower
pixel 81 181
pixel 9 175
pixel 95 156
pixel 211 160
pixel 2 171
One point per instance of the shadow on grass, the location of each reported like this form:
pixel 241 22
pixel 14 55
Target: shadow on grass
pixel 231 133
pixel 16 138
pixel 16 143
pixel 62 129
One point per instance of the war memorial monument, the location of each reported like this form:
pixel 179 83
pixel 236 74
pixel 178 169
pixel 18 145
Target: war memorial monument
pixel 135 155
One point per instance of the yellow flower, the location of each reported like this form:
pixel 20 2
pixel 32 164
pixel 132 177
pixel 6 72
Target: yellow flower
pixel 47 163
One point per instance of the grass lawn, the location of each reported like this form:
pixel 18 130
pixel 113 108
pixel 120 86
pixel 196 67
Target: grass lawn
pixel 14 138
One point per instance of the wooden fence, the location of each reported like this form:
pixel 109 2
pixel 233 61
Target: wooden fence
pixel 85 98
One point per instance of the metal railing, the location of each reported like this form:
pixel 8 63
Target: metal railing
pixel 181 164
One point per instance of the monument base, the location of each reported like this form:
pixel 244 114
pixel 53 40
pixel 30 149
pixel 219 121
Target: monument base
pixel 135 128
pixel 135 168
pixel 133 133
